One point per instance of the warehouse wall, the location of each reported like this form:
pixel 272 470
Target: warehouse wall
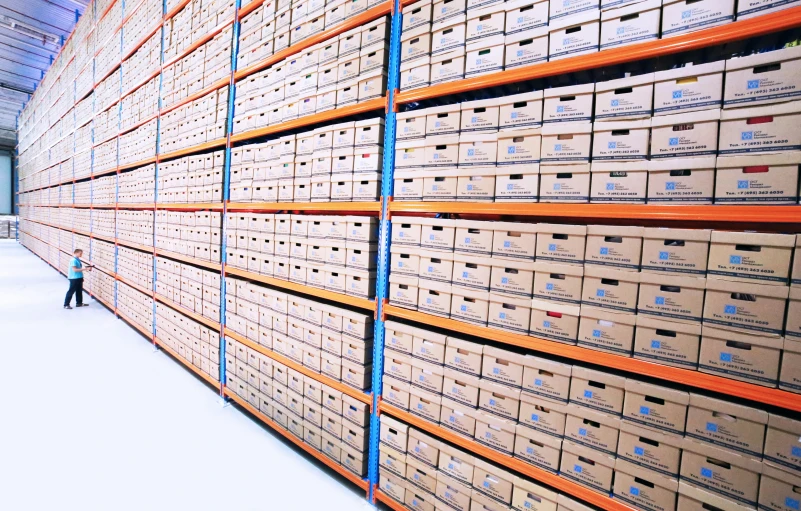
pixel 6 184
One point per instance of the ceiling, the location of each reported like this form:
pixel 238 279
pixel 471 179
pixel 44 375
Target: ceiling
pixel 31 34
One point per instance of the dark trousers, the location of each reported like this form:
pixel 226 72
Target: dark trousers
pixel 76 288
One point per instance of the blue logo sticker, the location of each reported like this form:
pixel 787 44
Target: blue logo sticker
pixel 577 468
pixel 634 491
pixel 610 187
pixel 664 256
pixel 510 150
pixel 676 94
pixel 733 259
pixel 557 147
pixel 639 451
pixel 686 14
pixel 535 417
pixel 560 108
pixel 711 427
pixel 616 102
pixel 596 333
pixel 644 410
pixel 538 382
pixel 673 141
pixel 706 472
pixel 656 344
pixel 791 502
pixel 730 309
pixel 742 185
pixel 504 280
pixel 670 185
pixel 588 394
pixel 747 135
pixel 604 250
pixel 753 84
pixel 600 293
pixel 549 286
pixel 582 432
pixel 611 145
pixel 795 450
pixel 725 357
pixel 546 324
pixel 507 244
pixel 552 247
pixel 660 300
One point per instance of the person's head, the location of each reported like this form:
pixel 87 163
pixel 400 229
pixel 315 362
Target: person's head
pixel 78 252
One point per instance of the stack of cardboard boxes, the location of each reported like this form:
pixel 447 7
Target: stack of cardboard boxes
pixel 101 255
pixel 101 285
pixel 135 306
pixel 645 292
pixel 326 252
pixel 339 162
pixel 82 192
pixel 103 190
pixel 141 104
pixel 81 166
pixel 195 343
pixel 193 22
pixel 135 226
pixel 83 135
pixel 191 179
pixel 135 266
pixel 139 144
pixel 137 186
pixel 198 70
pixel 326 339
pixel 196 289
pixel 106 125
pixel 421 471
pixel 657 137
pixel 442 42
pixel 194 234
pixel 103 222
pixel 144 62
pixel 202 120
pixel 103 159
pixel 338 72
pixel 138 23
pixel 326 419
pixel 598 429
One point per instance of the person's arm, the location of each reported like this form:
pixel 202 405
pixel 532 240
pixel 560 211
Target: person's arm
pixel 77 269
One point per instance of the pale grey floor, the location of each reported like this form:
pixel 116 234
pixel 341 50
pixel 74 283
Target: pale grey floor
pixel 93 419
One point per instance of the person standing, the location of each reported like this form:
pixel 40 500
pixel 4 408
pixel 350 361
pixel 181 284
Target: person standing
pixel 75 277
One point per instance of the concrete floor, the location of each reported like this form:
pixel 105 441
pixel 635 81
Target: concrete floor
pixel 94 419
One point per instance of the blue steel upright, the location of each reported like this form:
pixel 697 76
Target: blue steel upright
pixel 382 279
pixel 229 126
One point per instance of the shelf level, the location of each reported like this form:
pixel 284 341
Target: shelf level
pixel 334 384
pixel 507 462
pixel 355 301
pixel 682 213
pixel 307 120
pixel 187 259
pixel 336 467
pixel 391 503
pixel 134 286
pixel 697 379
pixel 738 30
pixel 135 325
pixel 186 312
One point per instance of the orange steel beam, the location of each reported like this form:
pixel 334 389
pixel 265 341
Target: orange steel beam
pixel 305 206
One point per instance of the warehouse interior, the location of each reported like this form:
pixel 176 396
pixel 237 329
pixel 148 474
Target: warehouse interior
pixel 418 255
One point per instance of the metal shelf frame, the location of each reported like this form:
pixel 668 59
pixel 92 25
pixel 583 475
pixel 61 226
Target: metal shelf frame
pixel 779 216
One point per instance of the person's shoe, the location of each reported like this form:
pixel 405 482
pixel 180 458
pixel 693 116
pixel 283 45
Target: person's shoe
pixel 83 305
pixel 67 307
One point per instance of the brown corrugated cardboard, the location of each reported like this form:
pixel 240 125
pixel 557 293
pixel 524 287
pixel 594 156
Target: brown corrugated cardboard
pixel 423 447
pixel 567 504
pixel 421 475
pixel 692 498
pixel 648 448
pixel 754 308
pixel 396 392
pixel 598 390
pixel 621 140
pixel 782 443
pixel 561 243
pixel 672 297
pixel 688 88
pixel 543 415
pixel 546 378
pixel 749 257
pixel 514 240
pixel 419 500
pixel 566 142
pixel 568 183
pixel 493 481
pixel 683 16
pixel 454 493
pixel 502 366
pixel 391 460
pixel 392 485
pixel 605 330
pixel 655 406
pixel 735 427
pixel 587 467
pixel 539 449
pixel 456 463
pixel 778 489
pixel 755 79
pixel 554 321
pixel 529 496
pixel 558 282
pixel 614 246
pixel 619 182
pixel 673 344
pixel 671 251
pixel 596 430
pixel 457 417
pixel 499 399
pixel 796 273
pixel 624 98
pixel 394 433
pixel 425 404
pixel 682 180
pixel 464 356
pixel 460 387
pixel 566 104
pixel 761 129
pixel 762 179
pixel 612 289
pixel 685 135
pixel 512 277
pixel 790 377
pixel 741 356
pixel 429 346
pixel 721 471
pixel 643 488
pixel 494 432
pixel 576 34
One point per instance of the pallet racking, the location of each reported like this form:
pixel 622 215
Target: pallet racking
pixel 42 103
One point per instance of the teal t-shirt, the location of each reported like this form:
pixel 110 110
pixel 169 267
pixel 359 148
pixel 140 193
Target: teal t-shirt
pixel 74 274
